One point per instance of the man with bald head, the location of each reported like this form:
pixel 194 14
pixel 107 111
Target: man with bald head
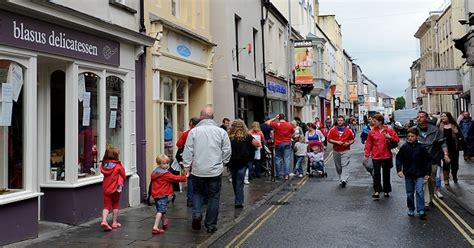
pixel 206 151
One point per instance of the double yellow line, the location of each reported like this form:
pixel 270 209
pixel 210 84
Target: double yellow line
pixel 257 223
pixel 465 229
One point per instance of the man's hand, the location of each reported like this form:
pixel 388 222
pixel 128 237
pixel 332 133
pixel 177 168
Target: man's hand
pixel 447 160
pixel 427 177
pixel 400 174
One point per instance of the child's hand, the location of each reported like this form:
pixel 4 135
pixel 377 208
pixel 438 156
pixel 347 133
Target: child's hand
pixel 400 174
pixel 427 177
pixel 186 173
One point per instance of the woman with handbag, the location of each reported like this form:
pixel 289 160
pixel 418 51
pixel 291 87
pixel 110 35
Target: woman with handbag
pixel 380 141
pixel 454 138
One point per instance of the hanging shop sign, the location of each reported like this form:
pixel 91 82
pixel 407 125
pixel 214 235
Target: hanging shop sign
pixel 353 92
pixel 24 32
pixel 303 62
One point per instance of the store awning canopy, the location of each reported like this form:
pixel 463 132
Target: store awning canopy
pixel 443 81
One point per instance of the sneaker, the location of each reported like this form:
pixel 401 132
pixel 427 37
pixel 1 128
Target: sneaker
pixel 386 195
pixel 286 177
pixel 343 184
pixel 196 224
pixel 300 175
pixel 411 213
pixel 246 181
pixel 211 229
pixel 157 230
pixel 292 174
pixel 439 195
pixel 376 196
pixel 422 215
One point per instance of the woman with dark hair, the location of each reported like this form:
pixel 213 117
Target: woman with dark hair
pixel 378 147
pixel 453 135
pixel 313 134
pixel 243 150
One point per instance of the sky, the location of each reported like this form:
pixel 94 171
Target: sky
pixel 378 35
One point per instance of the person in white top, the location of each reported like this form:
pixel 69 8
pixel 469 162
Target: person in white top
pixel 300 148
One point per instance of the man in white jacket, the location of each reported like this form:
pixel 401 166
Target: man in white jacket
pixel 207 149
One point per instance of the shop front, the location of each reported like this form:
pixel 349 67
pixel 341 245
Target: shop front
pixel 248 100
pixel 298 102
pixel 179 85
pixel 277 96
pixel 66 95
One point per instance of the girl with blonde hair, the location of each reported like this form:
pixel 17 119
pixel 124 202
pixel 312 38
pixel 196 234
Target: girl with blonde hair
pixel 255 162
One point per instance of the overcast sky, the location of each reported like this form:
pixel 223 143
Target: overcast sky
pixel 378 34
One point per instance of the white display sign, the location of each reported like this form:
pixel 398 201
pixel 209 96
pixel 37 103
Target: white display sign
pixel 82 87
pixel 113 119
pixel 86 97
pixel 113 102
pixel 6 113
pixel 15 78
pixel 6 93
pixel 86 116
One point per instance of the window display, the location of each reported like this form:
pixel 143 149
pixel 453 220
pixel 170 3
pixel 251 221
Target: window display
pixel 114 133
pixel 11 127
pixel 88 125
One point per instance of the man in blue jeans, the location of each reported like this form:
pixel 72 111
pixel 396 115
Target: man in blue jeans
pixel 283 131
pixel 207 149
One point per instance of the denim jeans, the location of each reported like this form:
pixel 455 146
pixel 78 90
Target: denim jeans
pixel 299 165
pixel 438 177
pixel 414 187
pixel 238 184
pixel 282 158
pixel 213 185
pixel 254 168
pixel 189 192
pixel 319 165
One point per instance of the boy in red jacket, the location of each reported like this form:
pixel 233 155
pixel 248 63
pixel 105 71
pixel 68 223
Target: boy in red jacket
pixel 161 188
pixel 114 177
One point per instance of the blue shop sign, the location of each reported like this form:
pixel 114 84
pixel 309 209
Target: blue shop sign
pixel 276 88
pixel 183 50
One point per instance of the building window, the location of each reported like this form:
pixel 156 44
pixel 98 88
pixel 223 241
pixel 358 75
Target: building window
pixel 237 50
pixel 12 168
pixel 255 32
pixel 175 7
pixel 114 113
pixel 57 125
pixel 89 113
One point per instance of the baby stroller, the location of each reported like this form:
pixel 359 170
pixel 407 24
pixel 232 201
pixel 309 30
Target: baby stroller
pixel 316 160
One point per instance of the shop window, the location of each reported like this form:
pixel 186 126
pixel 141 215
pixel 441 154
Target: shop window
pixel 88 125
pixel 167 89
pixel 181 119
pixel 58 127
pixel 12 167
pixel 180 90
pixel 168 129
pixel 114 101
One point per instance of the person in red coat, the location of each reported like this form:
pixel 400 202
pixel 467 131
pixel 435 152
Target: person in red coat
pixel 161 187
pixel 112 185
pixel 341 137
pixel 377 146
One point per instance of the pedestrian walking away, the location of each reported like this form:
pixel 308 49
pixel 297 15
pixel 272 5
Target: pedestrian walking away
pixel 283 131
pixel 414 163
pixel 112 185
pixel 342 138
pixel 243 151
pixel 378 146
pixel 162 187
pixel 433 140
pixel 207 149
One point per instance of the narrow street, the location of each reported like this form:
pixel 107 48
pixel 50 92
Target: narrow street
pixel 317 212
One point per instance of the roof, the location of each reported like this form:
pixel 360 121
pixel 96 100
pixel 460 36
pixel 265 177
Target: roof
pixel 384 96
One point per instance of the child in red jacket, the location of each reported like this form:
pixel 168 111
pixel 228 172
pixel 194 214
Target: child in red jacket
pixel 161 188
pixel 114 177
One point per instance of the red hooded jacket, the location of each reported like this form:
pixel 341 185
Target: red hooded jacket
pixel 114 175
pixel 161 182
pixel 346 136
pixel 376 143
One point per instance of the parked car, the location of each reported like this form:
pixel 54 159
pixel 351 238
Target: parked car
pixel 404 119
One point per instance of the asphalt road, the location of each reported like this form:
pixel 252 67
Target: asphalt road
pixel 317 212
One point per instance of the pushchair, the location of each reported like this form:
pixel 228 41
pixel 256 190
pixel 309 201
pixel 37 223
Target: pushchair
pixel 316 160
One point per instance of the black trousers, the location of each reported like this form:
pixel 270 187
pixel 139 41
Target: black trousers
pixel 385 165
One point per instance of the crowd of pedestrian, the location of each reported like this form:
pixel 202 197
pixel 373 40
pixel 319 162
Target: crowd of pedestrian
pixel 430 154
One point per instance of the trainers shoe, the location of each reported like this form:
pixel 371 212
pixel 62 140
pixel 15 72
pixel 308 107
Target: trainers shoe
pixel 196 224
pixel 439 195
pixel 157 230
pixel 386 195
pixel 376 196
pixel 300 175
pixel 343 184
pixel 411 213
pixel 211 229
pixel 292 174
pixel 422 215
pixel 246 182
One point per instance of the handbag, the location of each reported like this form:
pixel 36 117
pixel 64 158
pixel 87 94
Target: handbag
pixel 392 144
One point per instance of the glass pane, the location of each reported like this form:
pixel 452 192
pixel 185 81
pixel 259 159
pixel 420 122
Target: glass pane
pixel 180 90
pixel 182 125
pixel 11 131
pixel 168 129
pixel 58 103
pixel 114 134
pixel 167 89
pixel 88 127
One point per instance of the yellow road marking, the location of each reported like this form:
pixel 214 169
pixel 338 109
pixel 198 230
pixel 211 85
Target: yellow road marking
pixel 263 215
pixel 456 225
pixel 268 214
pixel 468 227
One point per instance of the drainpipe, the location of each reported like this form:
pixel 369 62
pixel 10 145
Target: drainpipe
pixel 142 17
pixel 140 113
pixel 264 67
